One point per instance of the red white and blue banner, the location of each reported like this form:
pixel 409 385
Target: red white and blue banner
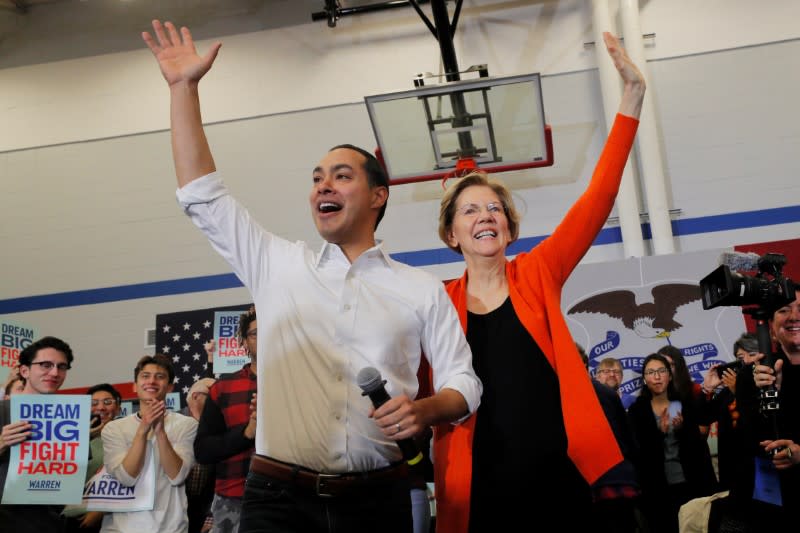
pixel 229 355
pixel 14 338
pixel 49 467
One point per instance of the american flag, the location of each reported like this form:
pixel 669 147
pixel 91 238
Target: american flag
pixel 181 336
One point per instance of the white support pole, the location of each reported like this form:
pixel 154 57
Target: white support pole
pixel 652 165
pixel 627 198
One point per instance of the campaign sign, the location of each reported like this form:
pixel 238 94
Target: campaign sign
pixel 49 467
pixel 13 339
pixel 125 409
pixel 173 401
pixel 229 355
pixel 104 493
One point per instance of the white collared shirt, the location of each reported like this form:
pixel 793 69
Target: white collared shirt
pixel 321 320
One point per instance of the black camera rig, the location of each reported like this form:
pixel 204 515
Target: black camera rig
pixel 760 296
pixel 769 289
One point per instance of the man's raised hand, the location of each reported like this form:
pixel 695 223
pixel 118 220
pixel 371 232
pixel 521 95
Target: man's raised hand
pixel 176 54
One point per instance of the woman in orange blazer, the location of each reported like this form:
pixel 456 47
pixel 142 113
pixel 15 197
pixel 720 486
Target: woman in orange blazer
pixel 540 428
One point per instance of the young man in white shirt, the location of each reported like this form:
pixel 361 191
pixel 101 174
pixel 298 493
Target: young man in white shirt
pixel 324 461
pixel 152 440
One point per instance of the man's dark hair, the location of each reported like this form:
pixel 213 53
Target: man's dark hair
pixel 27 355
pixel 376 176
pixel 158 359
pixel 245 319
pixel 105 387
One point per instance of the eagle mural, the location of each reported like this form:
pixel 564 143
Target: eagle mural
pixel 648 320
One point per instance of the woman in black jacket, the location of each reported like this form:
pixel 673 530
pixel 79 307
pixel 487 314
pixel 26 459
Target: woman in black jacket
pixel 675 463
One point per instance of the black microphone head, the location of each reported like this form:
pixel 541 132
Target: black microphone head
pixel 369 379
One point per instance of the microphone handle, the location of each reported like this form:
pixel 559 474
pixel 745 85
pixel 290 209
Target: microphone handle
pixel 411 454
pixel 379 397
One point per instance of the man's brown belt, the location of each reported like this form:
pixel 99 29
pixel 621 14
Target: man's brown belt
pixel 326 485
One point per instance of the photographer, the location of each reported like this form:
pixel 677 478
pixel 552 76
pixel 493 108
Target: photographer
pixel 771 491
pixel 719 385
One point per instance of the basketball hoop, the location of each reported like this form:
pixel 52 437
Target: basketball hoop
pixel 437 132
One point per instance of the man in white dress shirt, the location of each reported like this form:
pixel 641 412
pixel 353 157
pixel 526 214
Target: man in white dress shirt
pixel 324 461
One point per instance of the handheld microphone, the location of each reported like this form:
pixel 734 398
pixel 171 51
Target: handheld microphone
pixel 739 261
pixel 369 380
pixel 95 421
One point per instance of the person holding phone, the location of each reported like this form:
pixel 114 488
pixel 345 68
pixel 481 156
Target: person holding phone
pixel 106 403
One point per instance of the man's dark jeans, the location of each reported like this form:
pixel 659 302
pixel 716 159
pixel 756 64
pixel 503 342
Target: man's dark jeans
pixel 271 506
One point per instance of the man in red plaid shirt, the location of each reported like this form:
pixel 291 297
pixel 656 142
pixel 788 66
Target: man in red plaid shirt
pixel 227 431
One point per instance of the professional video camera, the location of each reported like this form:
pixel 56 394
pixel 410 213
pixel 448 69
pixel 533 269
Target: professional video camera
pixel 768 289
pixel 764 293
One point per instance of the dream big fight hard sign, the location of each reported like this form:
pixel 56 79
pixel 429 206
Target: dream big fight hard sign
pixel 49 467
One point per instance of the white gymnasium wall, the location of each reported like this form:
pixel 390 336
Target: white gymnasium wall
pixel 86 183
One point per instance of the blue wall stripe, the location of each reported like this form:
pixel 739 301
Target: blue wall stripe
pixel 420 258
pixel 123 292
pixel 731 221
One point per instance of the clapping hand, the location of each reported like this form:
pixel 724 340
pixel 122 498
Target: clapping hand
pixel 152 414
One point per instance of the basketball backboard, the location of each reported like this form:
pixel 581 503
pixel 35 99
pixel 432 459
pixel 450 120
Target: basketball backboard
pixel 496 122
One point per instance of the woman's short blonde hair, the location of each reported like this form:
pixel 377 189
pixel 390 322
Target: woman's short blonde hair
pixel 447 209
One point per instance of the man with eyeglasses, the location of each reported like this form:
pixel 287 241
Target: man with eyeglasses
pixel 609 373
pixel 106 404
pixel 44 365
